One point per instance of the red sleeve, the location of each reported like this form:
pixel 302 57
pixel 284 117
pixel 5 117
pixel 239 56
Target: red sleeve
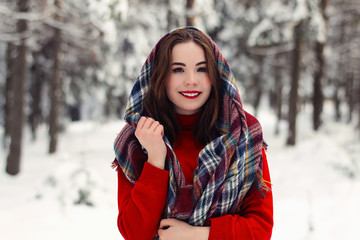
pixel 255 221
pixel 141 205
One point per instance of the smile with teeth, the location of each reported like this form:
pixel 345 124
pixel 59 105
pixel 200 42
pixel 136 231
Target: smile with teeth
pixel 190 94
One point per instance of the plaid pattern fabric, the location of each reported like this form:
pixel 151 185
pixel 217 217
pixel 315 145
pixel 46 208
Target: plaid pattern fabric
pixel 227 166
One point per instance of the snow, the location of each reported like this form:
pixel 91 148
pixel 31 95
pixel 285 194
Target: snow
pixel 301 11
pixel 278 11
pixel 315 183
pixel 39 202
pixel 264 25
pixel 318 23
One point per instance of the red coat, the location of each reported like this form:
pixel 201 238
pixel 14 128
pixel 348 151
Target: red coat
pixel 141 205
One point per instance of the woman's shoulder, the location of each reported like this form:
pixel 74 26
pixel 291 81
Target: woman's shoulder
pixel 250 119
pixel 125 135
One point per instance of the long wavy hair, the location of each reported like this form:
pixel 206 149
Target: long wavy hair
pixel 156 102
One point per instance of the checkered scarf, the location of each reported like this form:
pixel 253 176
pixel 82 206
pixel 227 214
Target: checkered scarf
pixel 227 166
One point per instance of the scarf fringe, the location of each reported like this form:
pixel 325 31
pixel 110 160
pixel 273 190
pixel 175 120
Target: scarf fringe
pixel 262 185
pixel 115 164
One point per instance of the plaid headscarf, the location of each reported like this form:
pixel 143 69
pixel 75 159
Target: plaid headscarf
pixel 227 166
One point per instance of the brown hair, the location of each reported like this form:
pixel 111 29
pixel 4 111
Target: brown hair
pixel 156 102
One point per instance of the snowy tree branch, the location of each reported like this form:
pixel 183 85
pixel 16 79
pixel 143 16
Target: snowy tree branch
pixel 15 37
pixel 272 50
pixel 73 30
pixel 28 16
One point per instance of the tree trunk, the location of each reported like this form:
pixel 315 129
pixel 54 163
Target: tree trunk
pixel 295 75
pixel 169 16
pixel 17 112
pixel 9 94
pixel 258 84
pixel 318 98
pixel 35 91
pixel 122 102
pixel 55 87
pixel 336 100
pixel 350 94
pixel 190 17
pixel 339 80
pixel 278 91
pixel 108 102
pixel 358 103
pixel 358 124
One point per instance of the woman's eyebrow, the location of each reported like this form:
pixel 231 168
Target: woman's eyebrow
pixel 183 64
pixel 178 63
pixel 199 63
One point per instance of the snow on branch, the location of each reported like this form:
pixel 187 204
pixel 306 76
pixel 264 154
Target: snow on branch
pixel 73 30
pixel 317 22
pixel 15 37
pixel 272 50
pixel 264 26
pixel 28 16
pixel 301 10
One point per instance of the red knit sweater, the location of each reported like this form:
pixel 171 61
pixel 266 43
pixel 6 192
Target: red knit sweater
pixel 141 205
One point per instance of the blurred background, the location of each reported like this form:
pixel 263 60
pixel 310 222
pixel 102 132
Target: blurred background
pixel 67 67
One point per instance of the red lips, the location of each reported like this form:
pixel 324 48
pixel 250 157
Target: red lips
pixel 190 94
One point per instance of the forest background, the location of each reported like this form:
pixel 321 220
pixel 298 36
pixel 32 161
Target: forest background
pixel 64 62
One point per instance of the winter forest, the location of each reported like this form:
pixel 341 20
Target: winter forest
pixel 67 67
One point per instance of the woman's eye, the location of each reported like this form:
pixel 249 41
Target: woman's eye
pixel 175 70
pixel 202 69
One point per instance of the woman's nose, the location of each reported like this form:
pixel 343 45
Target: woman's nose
pixel 191 79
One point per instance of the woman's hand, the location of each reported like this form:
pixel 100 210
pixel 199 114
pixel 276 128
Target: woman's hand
pixel 178 230
pixel 150 135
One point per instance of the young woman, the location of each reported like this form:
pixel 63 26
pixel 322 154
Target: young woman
pixel 191 162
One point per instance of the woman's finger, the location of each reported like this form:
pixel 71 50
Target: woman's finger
pixel 166 223
pixel 159 130
pixel 148 123
pixel 154 125
pixel 141 122
pixel 163 224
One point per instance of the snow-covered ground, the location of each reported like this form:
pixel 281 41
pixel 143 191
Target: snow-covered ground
pixel 39 202
pixel 316 184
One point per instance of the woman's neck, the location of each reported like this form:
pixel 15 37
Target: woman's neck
pixel 187 122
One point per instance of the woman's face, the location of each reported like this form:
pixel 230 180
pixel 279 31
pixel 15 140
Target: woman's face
pixel 188 85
